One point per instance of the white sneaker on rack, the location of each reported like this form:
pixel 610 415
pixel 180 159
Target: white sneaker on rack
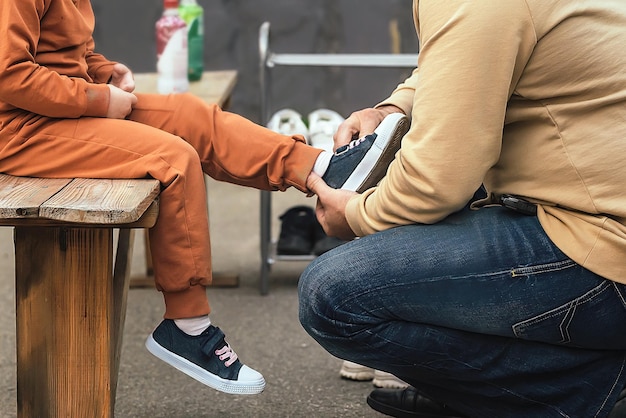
pixel 323 124
pixel 288 122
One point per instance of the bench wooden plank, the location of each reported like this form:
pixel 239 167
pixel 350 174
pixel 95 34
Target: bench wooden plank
pixel 147 220
pixel 21 197
pixel 101 201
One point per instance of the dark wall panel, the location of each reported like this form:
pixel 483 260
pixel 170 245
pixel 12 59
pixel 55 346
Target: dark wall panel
pixel 125 32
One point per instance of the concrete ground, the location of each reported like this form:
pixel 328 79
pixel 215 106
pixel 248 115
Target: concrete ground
pixel 302 379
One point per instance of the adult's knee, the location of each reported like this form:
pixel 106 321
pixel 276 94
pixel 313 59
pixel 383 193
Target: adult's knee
pixel 315 301
pixel 326 307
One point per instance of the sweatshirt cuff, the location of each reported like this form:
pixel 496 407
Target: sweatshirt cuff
pixel 97 100
pixel 353 213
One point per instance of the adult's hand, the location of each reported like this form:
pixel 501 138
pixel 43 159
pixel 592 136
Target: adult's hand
pixel 120 103
pixel 331 207
pixel 122 78
pixel 362 122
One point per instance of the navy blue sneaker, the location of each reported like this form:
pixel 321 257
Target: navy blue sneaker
pixel 206 357
pixel 363 162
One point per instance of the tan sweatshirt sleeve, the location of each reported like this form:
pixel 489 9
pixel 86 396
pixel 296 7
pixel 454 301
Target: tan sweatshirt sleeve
pixel 28 85
pixel 471 56
pixel 402 97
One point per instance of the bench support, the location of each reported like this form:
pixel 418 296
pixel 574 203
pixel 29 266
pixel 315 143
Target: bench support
pixel 69 320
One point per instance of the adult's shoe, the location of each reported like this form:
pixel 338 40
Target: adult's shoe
pixel 354 371
pixel 388 380
pixel 361 164
pixel 408 403
pixel 619 410
pixel 206 357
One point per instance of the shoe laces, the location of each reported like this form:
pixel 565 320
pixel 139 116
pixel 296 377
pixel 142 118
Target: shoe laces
pixel 226 353
pixel 352 144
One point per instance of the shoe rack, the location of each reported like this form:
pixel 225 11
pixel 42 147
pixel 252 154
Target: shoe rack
pixel 268 61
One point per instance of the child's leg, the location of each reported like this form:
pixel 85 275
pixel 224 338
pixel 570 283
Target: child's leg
pixel 231 148
pixel 111 148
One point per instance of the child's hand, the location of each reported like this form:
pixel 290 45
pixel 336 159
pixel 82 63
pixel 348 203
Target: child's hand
pixel 120 103
pixel 123 78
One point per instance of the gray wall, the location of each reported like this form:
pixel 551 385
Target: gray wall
pixel 125 32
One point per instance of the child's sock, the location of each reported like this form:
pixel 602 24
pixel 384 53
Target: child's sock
pixel 322 163
pixel 193 326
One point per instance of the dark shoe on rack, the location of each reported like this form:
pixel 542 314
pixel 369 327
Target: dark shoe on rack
pixel 408 403
pixel 206 357
pixel 296 232
pixel 363 162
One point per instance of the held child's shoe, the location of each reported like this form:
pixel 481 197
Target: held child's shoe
pixel 363 162
pixel 206 357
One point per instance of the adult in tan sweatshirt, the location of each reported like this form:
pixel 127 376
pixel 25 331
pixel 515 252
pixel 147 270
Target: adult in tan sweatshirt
pixel 67 111
pixel 495 312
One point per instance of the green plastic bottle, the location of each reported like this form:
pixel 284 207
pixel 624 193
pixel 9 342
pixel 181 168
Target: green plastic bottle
pixel 193 15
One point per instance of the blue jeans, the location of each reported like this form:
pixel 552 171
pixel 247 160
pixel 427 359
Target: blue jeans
pixel 480 311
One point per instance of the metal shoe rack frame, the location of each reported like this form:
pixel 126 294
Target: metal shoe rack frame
pixel 269 60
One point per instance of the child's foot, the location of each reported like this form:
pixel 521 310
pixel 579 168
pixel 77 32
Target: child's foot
pixel 206 357
pixel 363 162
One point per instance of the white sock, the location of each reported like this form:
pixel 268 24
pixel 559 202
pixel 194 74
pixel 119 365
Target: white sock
pixel 322 163
pixel 193 326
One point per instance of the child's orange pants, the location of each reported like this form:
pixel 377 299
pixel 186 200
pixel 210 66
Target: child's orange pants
pixel 223 145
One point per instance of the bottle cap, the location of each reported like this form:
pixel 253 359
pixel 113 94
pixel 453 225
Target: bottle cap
pixel 170 4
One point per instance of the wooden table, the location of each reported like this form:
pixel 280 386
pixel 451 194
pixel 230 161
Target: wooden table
pixel 70 298
pixel 213 87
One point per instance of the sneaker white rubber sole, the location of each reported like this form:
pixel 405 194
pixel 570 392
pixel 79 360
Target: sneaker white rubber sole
pixel 250 381
pixel 387 380
pixel 375 163
pixel 354 371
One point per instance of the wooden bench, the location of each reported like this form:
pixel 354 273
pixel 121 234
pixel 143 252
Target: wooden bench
pixel 70 297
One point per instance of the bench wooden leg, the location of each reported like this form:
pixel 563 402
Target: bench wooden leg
pixel 121 282
pixel 67 343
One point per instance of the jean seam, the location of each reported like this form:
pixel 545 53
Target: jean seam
pixel 543 268
pixel 613 387
pixel 568 309
pixel 619 294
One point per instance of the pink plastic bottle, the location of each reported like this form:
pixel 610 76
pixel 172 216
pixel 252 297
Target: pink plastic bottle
pixel 172 50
